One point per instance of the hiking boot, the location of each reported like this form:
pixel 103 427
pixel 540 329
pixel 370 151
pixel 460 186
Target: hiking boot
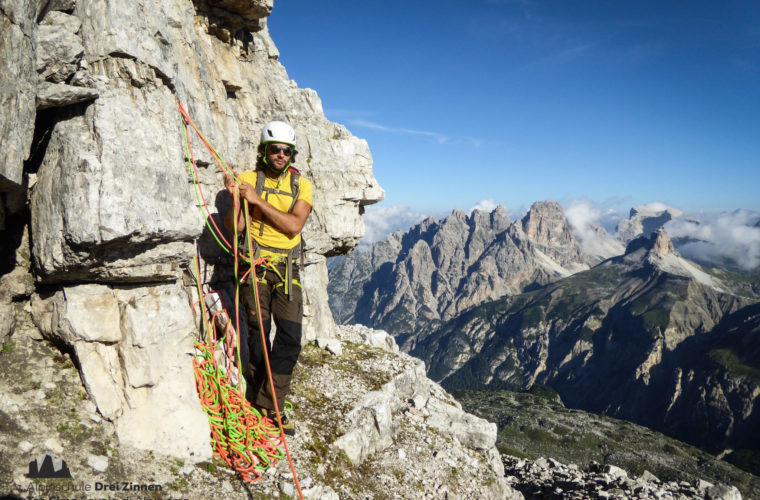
pixel 287 425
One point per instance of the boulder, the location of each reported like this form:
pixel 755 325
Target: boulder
pixel 59 48
pixel 135 348
pixel 53 95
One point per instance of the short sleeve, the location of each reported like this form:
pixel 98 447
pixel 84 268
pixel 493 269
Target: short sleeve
pixel 305 190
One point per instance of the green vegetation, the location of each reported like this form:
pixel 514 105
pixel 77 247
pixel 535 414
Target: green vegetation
pixel 746 459
pixel 178 484
pixel 534 425
pixel 532 316
pixel 7 347
pixel 545 392
pixel 733 363
pixel 745 285
pixel 656 320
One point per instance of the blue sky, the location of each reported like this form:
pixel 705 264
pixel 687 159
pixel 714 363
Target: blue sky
pixel 618 102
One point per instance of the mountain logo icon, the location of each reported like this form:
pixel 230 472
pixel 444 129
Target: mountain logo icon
pixel 47 466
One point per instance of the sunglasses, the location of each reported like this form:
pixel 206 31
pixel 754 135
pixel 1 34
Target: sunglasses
pixel 274 149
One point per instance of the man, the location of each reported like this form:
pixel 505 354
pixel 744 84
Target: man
pixel 279 201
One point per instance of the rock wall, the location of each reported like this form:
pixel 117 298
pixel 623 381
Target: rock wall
pixel 97 200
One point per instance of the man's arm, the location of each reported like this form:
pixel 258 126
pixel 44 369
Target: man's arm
pixel 288 223
pixel 234 210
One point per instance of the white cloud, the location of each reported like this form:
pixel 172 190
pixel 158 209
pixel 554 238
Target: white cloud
pixel 655 206
pixel 380 221
pixel 484 205
pixel 440 138
pixel 719 238
pixel 586 218
pixel 582 213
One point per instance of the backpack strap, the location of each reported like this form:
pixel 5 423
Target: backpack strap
pixel 295 188
pixel 260 179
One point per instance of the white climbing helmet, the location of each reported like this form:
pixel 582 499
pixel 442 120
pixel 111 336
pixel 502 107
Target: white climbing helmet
pixel 278 131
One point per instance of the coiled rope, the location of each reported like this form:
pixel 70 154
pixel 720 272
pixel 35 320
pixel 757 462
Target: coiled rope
pixel 247 441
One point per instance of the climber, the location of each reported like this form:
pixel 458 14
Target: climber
pixel 280 201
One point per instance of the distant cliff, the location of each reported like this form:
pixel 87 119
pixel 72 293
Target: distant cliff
pixel 415 281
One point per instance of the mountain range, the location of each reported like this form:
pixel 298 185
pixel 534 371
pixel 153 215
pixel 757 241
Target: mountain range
pixel 647 336
pixel 418 279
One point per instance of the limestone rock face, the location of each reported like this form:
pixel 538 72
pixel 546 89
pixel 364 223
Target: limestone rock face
pixel 346 277
pixel 112 201
pixel 18 84
pixel 546 225
pixel 52 95
pixel 413 281
pixel 59 49
pixel 104 209
pixel 134 346
pixel 662 243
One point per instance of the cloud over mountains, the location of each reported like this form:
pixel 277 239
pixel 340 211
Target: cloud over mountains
pixel 719 239
pixel 725 238
pixel 380 221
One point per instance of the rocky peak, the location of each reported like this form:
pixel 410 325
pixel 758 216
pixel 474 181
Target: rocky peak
pixel 496 220
pixel 479 217
pixel 499 218
pixel 661 244
pixel 658 243
pixel 546 224
pixel 475 258
pixel 644 219
pixel 458 214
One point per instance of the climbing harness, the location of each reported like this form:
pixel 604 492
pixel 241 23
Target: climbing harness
pixel 240 435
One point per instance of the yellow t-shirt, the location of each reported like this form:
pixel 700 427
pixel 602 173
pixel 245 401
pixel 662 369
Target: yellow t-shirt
pixel 271 236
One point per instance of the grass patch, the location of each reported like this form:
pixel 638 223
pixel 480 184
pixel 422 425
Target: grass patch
pixel 733 363
pixel 7 347
pixel 656 320
pixel 178 484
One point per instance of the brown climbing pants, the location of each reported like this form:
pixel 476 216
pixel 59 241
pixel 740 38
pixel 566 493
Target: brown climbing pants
pixel 287 313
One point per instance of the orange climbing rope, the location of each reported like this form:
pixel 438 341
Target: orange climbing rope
pixel 240 435
pixel 247 441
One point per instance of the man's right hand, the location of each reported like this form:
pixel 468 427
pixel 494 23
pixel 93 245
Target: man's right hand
pixel 230 184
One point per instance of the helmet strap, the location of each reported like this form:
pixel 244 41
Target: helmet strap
pixel 270 167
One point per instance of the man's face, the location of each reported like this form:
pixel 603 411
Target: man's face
pixel 278 155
